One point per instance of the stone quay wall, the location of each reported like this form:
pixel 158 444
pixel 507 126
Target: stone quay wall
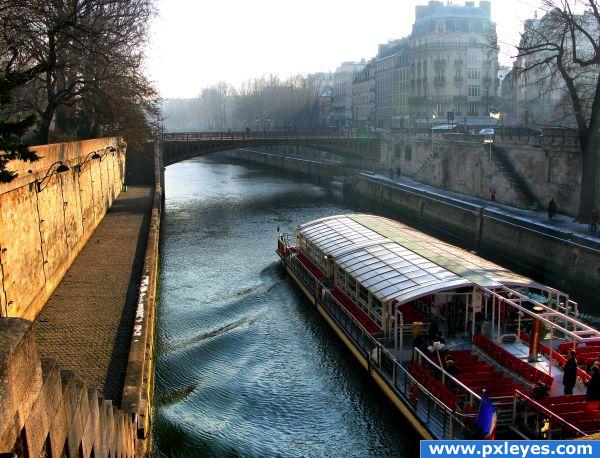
pixel 45 411
pixel 563 260
pixel 138 387
pixel 549 165
pixel 46 217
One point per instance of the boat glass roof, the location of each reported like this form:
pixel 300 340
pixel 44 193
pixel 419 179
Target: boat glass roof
pixel 394 261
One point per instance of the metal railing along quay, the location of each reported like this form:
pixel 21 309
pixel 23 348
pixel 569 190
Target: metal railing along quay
pixel 252 135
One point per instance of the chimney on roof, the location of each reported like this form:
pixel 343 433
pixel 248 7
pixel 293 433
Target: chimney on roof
pixel 486 7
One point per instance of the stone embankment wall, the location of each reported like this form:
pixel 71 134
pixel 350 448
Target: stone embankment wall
pixel 46 217
pixel 549 165
pixel 46 412
pixel 563 260
pixel 318 171
pixel 138 387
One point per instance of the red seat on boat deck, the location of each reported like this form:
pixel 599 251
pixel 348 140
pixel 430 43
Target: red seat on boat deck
pixel 433 385
pixel 567 407
pixel 578 417
pixel 370 326
pixel 311 266
pixel 494 375
pixel 567 398
pixel 476 368
pixel 587 426
pixel 510 361
pixel 493 382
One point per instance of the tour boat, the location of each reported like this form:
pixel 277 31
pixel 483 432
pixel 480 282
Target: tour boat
pixel 405 304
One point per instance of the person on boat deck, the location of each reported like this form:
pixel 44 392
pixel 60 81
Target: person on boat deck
pixel 539 391
pixel 437 343
pixel 595 363
pixel 570 373
pixel 433 330
pixel 593 385
pixel 452 368
pixel 419 342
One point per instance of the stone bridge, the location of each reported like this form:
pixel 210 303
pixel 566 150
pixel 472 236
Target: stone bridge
pixel 181 146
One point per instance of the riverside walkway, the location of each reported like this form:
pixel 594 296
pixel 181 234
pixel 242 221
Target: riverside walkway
pixel 87 323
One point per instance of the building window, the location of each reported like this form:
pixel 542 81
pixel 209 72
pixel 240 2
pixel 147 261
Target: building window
pixel 473 91
pixel 408 152
pixel 472 109
pixel 486 91
pixel 473 56
pixel 473 73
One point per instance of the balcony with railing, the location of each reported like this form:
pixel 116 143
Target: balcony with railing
pixel 487 80
pixel 460 98
pixel 439 62
pixel 439 80
pixel 458 79
pixel 459 62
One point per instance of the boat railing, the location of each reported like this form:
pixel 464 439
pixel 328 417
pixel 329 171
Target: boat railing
pixel 446 423
pixel 442 422
pixel 287 239
pixel 445 376
pixel 540 409
pixel 504 409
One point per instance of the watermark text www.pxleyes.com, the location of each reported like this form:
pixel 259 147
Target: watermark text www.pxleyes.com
pixel 508 449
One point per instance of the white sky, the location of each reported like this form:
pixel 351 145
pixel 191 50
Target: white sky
pixel 196 43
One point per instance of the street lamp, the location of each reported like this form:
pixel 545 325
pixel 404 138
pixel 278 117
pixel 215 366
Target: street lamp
pixel 257 121
pixel 268 123
pixel 434 115
pixel 489 137
pixel 60 169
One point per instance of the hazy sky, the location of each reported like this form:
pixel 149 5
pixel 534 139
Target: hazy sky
pixel 196 43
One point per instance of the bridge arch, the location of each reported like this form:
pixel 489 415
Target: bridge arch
pixel 179 147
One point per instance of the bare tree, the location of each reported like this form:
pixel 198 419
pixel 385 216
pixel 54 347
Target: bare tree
pixel 82 51
pixel 564 45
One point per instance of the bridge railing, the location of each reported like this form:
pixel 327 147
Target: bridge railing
pixel 249 135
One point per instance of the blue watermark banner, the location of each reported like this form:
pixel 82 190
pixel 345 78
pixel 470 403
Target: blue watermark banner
pixel 509 449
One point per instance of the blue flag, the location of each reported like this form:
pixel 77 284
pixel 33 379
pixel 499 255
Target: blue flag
pixel 486 418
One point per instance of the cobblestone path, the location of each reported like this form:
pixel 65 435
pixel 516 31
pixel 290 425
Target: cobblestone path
pixel 86 324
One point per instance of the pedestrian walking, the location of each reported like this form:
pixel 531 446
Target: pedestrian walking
pixel 493 193
pixel 570 373
pixel 594 221
pixel 392 174
pixel 398 170
pixel 551 209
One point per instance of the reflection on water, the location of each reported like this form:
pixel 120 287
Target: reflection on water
pixel 245 366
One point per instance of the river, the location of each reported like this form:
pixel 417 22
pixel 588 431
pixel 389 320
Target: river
pixel 244 365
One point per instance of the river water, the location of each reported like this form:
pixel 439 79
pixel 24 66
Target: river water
pixel 245 366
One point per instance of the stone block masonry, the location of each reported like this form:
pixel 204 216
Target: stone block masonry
pixel 522 169
pixel 77 380
pixel 46 217
pixel 53 413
